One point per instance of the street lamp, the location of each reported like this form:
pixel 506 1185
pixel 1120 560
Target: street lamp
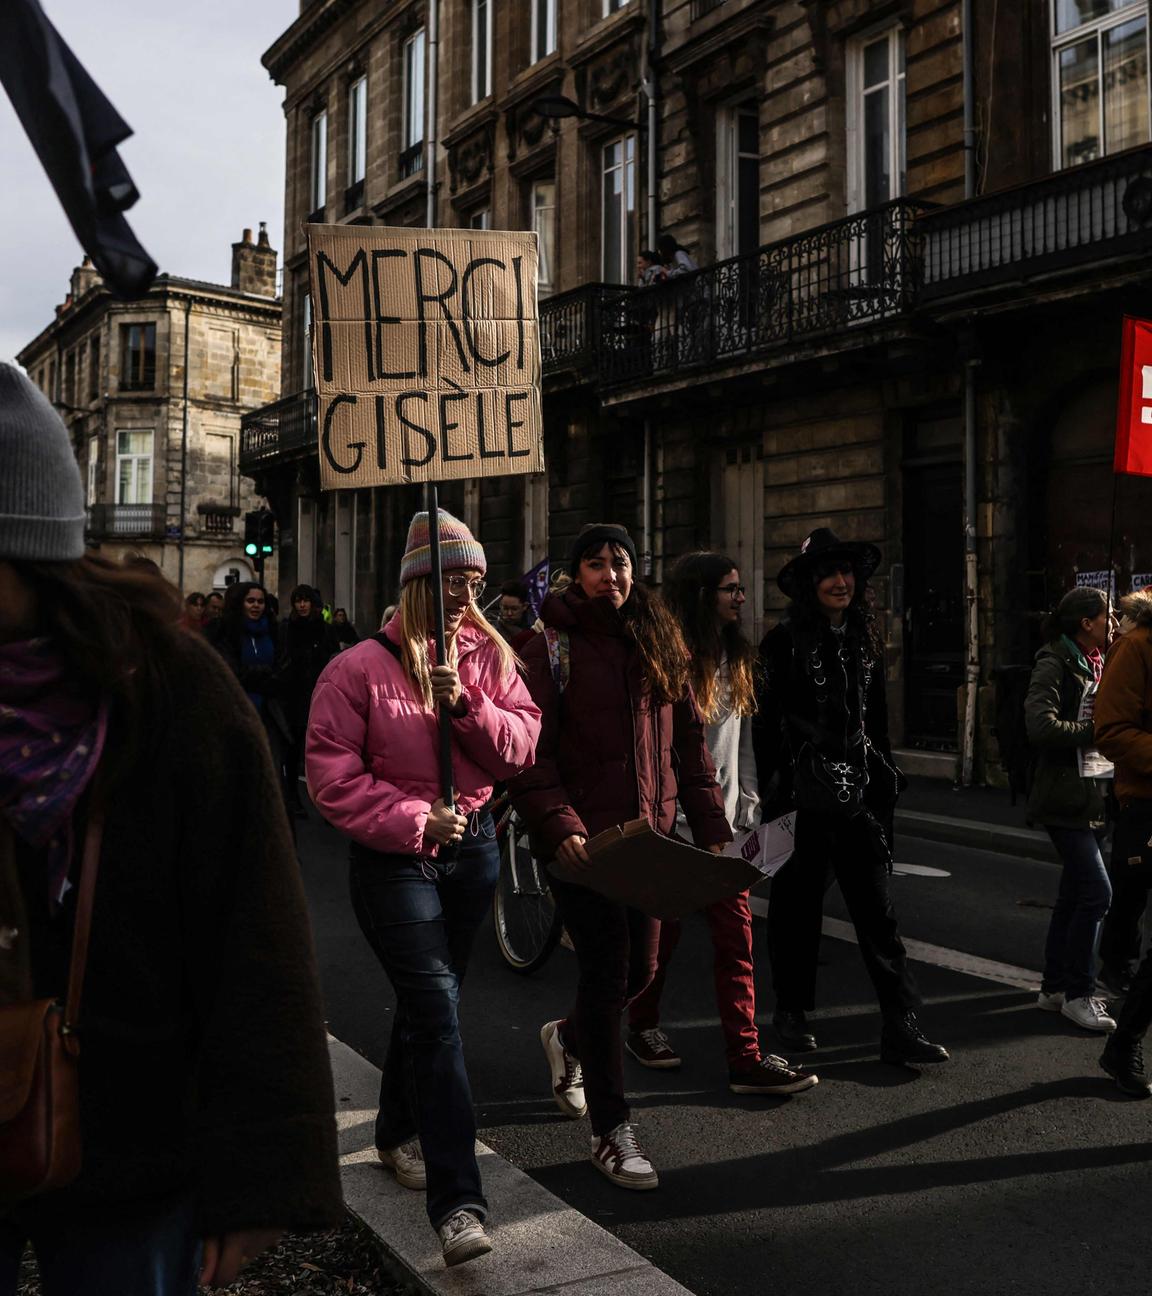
pixel 557 107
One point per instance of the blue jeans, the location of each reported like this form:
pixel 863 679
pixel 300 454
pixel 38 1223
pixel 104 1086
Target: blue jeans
pixel 420 916
pixel 1083 900
pixel 145 1249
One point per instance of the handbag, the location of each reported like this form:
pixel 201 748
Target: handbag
pixel 39 1089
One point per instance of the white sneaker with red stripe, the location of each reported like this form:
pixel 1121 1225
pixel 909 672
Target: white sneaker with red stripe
pixel 618 1157
pixel 567 1076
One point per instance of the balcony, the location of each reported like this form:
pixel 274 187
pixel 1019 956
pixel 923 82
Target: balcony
pixel 286 428
pixel 127 521
pixel 853 272
pixel 1088 215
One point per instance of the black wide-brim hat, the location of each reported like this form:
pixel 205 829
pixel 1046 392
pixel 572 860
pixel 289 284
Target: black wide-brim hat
pixel 822 546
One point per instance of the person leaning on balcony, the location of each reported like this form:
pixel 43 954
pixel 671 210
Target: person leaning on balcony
pixel 1123 732
pixel 206 1104
pixel 374 773
pixel 677 260
pixel 621 739
pixel 1068 804
pixel 705 596
pixel 821 740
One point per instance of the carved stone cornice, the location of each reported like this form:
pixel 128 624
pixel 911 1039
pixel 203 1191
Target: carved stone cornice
pixel 748 29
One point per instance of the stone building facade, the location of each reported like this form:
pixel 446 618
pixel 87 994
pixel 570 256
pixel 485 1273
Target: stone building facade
pixel 892 290
pixel 152 392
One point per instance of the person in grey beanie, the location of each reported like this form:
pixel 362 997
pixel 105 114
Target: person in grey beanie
pixel 205 1094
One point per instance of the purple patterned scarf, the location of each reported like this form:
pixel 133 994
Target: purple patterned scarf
pixel 51 738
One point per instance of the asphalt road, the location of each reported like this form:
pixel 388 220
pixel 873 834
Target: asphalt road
pixel 1017 1168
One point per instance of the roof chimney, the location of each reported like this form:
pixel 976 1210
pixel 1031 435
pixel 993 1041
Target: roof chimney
pixel 254 264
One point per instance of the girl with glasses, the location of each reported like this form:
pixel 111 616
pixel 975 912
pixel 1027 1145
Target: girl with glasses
pixel 422 872
pixel 705 596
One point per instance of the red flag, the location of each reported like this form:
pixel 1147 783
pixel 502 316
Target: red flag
pixel 1134 406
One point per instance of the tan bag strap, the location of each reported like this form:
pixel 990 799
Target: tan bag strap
pixel 93 838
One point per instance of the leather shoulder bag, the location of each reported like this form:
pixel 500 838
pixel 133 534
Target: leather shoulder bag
pixel 39 1090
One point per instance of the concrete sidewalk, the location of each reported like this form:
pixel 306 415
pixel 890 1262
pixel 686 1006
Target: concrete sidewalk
pixel 980 817
pixel 540 1243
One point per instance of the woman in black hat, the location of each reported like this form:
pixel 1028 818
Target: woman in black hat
pixel 821 741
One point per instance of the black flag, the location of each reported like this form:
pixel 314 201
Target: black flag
pixel 74 130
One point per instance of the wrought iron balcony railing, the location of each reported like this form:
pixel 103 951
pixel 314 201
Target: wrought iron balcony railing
pixel 573 324
pixel 127 521
pixel 1088 214
pixel 855 271
pixel 286 427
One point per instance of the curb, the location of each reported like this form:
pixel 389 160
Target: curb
pixel 1000 838
pixel 541 1243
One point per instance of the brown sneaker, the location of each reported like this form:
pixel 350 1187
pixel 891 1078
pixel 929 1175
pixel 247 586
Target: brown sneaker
pixel 651 1049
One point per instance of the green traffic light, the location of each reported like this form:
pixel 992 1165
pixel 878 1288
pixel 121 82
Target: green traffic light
pixel 267 548
pixel 251 550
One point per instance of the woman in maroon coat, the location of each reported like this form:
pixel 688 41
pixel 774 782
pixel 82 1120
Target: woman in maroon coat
pixel 621 739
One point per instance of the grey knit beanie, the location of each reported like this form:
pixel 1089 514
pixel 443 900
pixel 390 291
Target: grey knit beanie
pixel 41 493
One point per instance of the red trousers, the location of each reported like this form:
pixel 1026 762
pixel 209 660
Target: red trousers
pixel 730 922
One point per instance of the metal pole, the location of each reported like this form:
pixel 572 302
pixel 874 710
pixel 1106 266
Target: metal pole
pixel 969 64
pixel 432 76
pixel 433 506
pixel 184 449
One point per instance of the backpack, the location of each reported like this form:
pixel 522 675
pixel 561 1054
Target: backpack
pixel 559 657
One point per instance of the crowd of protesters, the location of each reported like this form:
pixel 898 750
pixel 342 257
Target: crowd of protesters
pixel 206 1136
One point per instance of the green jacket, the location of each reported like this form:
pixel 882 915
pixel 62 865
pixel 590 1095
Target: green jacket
pixel 1059 797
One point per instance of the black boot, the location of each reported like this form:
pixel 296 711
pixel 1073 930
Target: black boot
pixel 903 1043
pixel 792 1031
pixel 1123 1059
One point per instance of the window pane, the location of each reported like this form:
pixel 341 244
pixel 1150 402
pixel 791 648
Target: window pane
pixel 749 131
pixel 1074 13
pixel 748 205
pixel 1125 86
pixel 876 63
pixel 1079 104
pixel 480 48
pixel 877 149
pixel 357 130
pixel 414 101
pixel 613 211
pixel 544 223
pixel 319 160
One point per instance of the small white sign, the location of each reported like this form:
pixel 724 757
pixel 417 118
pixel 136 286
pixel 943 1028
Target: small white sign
pixel 767 848
pixel 1091 763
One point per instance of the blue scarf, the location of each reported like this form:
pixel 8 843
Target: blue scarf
pixel 256 649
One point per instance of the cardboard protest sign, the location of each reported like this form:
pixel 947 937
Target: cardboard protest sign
pixel 426 352
pixel 661 876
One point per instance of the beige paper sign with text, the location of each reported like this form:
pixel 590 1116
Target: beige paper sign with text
pixel 426 352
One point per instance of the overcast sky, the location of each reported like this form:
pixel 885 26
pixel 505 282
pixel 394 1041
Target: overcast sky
pixel 207 154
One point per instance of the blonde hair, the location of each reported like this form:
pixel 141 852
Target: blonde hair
pixel 416 620
pixel 1137 606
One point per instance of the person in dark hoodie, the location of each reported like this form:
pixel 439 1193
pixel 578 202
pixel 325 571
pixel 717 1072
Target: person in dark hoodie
pixel 307 645
pixel 622 738
pixel 206 1104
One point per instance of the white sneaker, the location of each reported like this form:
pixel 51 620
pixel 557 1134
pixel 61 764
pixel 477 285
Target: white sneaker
pixel 407 1163
pixel 618 1156
pixel 1050 1002
pixel 567 1075
pixel 1089 1013
pixel 462 1238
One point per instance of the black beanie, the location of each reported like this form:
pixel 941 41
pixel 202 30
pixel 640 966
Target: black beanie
pixel 596 536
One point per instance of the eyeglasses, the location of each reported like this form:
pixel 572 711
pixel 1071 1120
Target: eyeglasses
pixel 456 585
pixel 733 591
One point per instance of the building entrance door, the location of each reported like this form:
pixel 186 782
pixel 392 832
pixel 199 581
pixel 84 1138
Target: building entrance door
pixel 933 584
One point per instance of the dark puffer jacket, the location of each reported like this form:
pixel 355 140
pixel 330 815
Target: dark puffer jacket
pixel 606 754
pixel 1059 797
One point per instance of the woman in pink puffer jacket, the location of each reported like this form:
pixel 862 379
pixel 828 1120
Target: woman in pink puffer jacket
pixel 423 873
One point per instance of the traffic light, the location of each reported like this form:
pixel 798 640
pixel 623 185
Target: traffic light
pixel 260 533
pixel 266 533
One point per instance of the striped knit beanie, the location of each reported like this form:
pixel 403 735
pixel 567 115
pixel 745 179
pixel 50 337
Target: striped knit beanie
pixel 41 494
pixel 458 548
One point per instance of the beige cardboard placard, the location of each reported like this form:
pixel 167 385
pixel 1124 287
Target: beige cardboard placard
pixel 426 351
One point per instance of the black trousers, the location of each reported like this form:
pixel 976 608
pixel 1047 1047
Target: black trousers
pixel 843 850
pixel 1130 871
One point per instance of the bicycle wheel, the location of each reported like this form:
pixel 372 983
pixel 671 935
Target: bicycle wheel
pixel 525 916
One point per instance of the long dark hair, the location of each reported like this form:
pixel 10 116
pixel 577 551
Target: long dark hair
pixel 663 652
pixel 806 615
pixel 691 597
pixel 232 617
pixel 118 627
